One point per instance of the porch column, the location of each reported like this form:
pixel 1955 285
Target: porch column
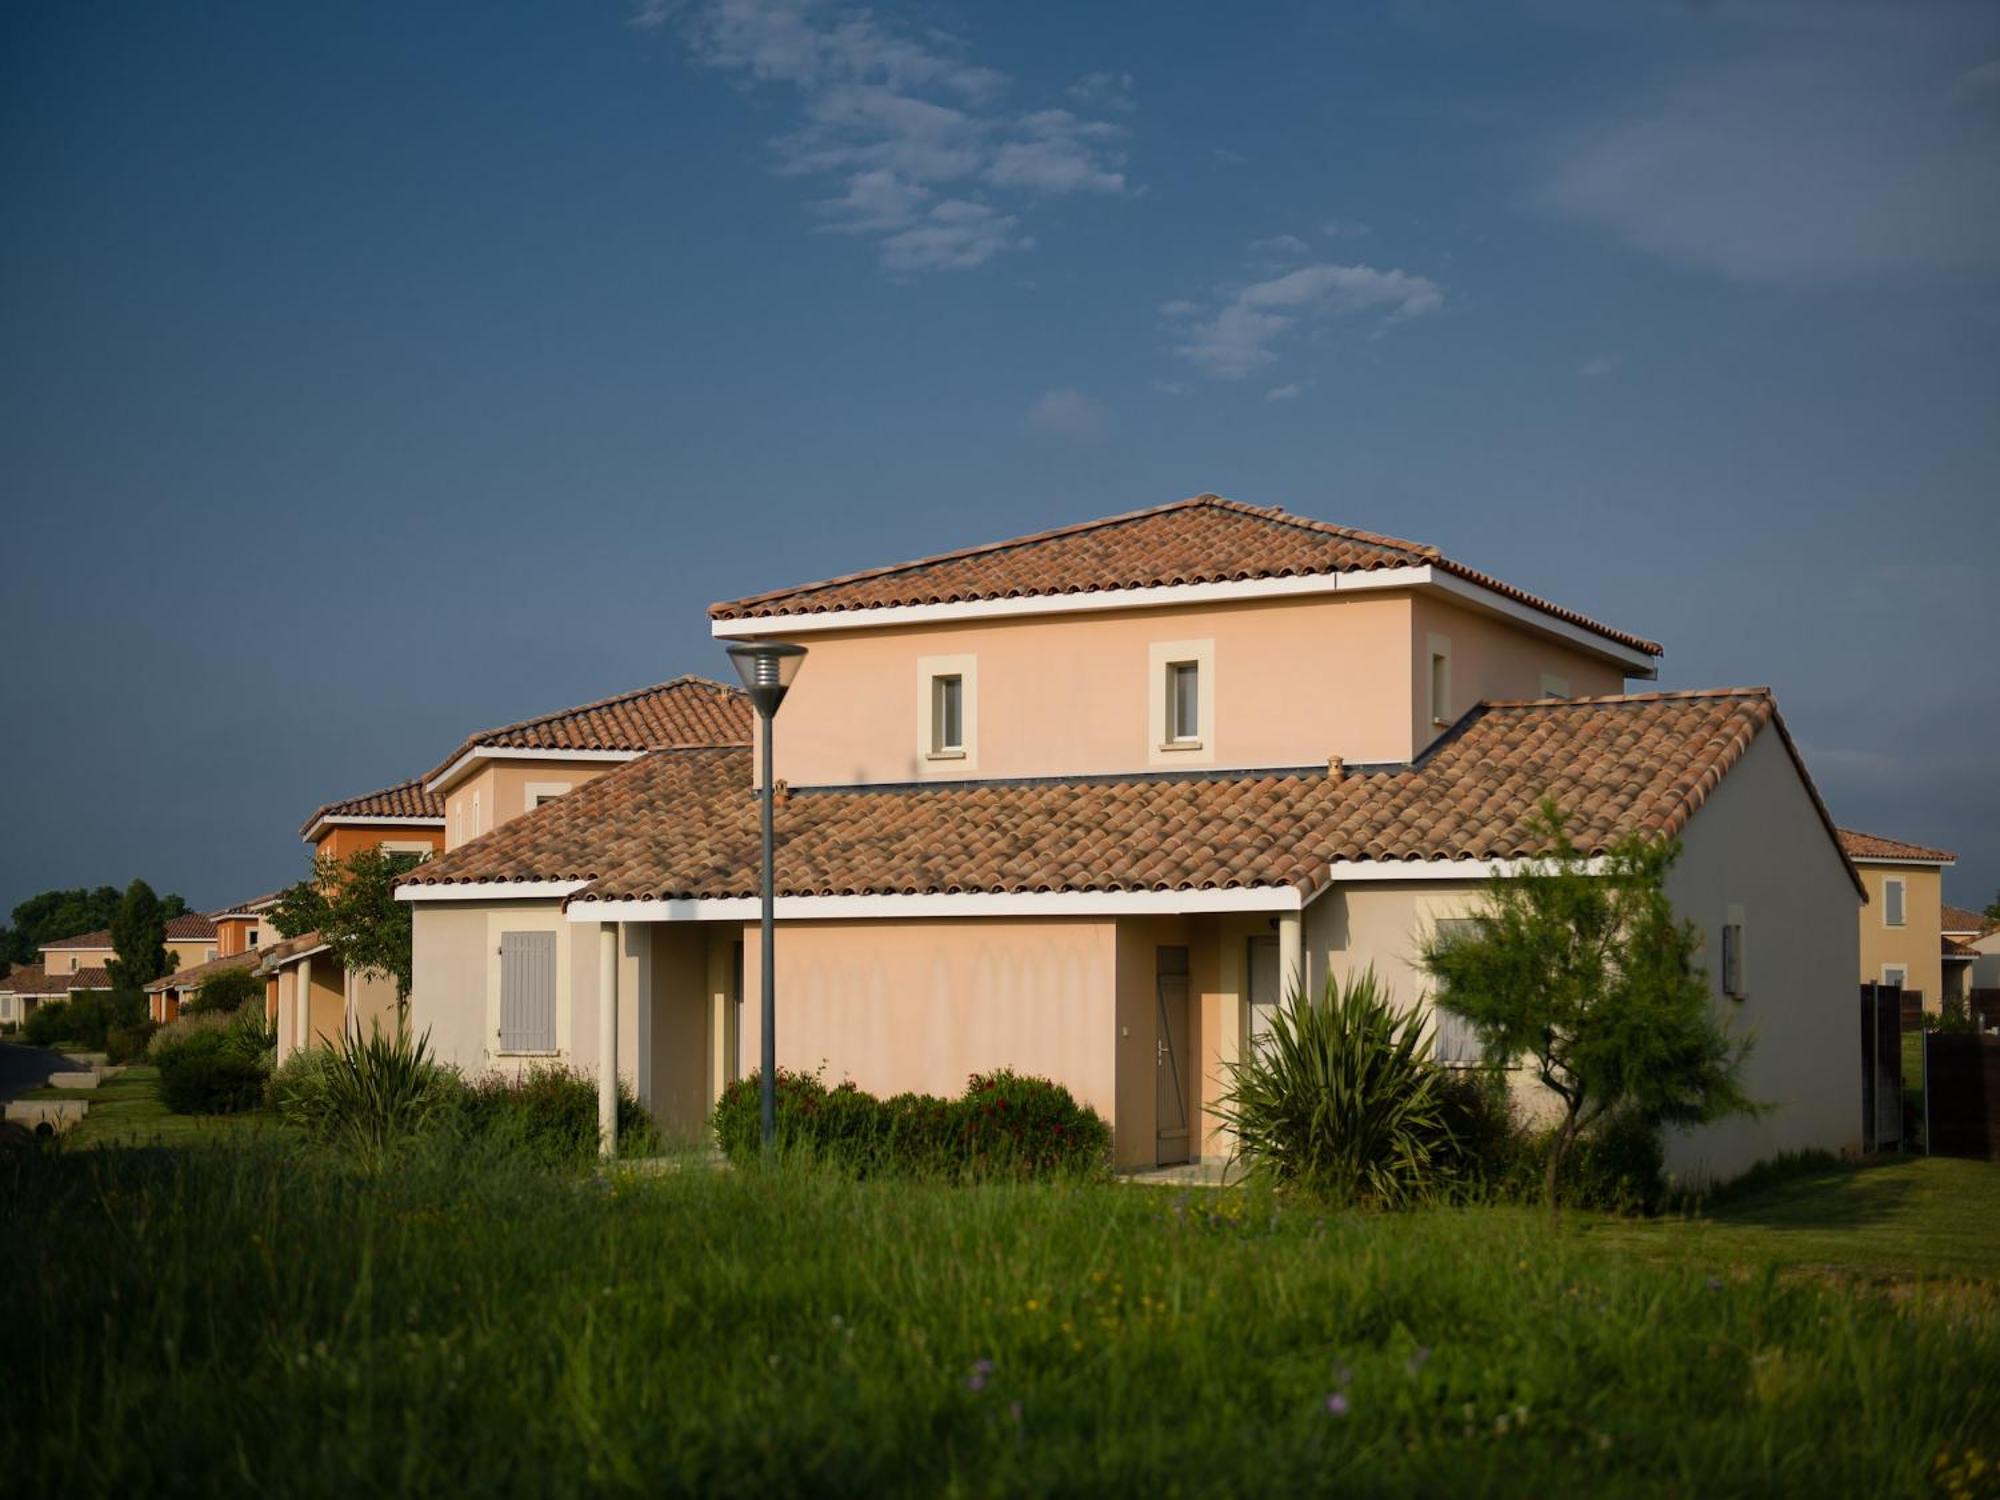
pixel 1291 953
pixel 607 1039
pixel 302 985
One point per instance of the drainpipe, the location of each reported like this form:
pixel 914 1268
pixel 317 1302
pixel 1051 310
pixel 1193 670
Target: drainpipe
pixel 607 1039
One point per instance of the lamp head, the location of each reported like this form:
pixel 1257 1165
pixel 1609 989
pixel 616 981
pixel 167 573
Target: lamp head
pixel 767 669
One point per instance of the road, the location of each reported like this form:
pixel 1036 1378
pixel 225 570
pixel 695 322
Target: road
pixel 24 1068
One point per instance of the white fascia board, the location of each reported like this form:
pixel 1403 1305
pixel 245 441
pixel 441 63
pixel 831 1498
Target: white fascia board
pixel 492 890
pixel 1273 898
pixel 1920 864
pixel 345 821
pixel 1355 870
pixel 272 965
pixel 478 753
pixel 1171 594
pixel 1636 663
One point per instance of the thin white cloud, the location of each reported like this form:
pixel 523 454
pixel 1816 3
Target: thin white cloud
pixel 1290 392
pixel 1067 412
pixel 1280 244
pixel 1870 152
pixel 1173 388
pixel 1345 229
pixel 1598 366
pixel 1227 157
pixel 927 161
pixel 1104 91
pixel 1240 336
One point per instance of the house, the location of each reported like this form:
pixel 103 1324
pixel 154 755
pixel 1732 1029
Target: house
pixel 26 986
pixel 1900 931
pixel 494 776
pixel 245 926
pixel 1959 929
pixel 1079 803
pixel 167 997
pixel 190 940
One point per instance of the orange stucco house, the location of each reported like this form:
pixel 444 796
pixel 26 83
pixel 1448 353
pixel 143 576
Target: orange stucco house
pixel 1902 932
pixel 1083 802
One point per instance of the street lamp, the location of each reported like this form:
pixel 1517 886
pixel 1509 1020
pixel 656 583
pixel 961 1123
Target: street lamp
pixel 767 669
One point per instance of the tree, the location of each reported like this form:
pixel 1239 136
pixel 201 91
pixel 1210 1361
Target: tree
pixel 353 907
pixel 1993 908
pixel 227 991
pixel 139 935
pixel 1592 977
pixel 51 916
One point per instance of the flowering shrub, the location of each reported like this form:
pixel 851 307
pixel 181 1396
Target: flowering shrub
pixel 1004 1124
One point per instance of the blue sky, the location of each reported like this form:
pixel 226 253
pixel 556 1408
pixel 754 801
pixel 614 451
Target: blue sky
pixel 373 372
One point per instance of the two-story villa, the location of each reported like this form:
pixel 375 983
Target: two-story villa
pixel 1902 932
pixel 493 777
pixel 1082 802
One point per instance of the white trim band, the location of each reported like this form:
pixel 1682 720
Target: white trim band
pixel 492 890
pixel 1272 898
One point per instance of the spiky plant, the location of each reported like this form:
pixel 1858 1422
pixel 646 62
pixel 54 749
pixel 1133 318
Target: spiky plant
pixel 1341 1098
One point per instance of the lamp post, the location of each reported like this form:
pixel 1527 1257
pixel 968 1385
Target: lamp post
pixel 767 669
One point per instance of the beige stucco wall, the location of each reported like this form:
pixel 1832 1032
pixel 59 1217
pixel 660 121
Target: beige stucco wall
pixel 1916 943
pixel 501 789
pixel 190 951
pixel 1757 843
pixel 69 960
pixel 921 1005
pixel 1492 658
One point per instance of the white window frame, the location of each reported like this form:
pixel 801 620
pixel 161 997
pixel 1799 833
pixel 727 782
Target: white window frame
pixel 1902 973
pixel 1162 748
pixel 947 705
pixel 933 757
pixel 535 793
pixel 1902 888
pixel 1437 685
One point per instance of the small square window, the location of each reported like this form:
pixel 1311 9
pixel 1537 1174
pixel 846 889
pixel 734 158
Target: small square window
pixel 1183 702
pixel 948 714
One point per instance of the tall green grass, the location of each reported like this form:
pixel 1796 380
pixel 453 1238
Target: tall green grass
pixel 257 1322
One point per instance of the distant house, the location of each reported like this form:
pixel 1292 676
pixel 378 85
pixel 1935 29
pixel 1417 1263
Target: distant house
pixel 190 940
pixel 166 998
pixel 1083 803
pixel 1961 929
pixel 1901 932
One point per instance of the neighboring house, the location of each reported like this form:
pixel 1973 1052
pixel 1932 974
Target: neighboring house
pixel 314 1000
pixel 1961 930
pixel 166 998
pixel 1080 803
pixel 403 819
pixel 30 985
pixel 244 927
pixel 498 774
pixel 1900 931
pixel 190 940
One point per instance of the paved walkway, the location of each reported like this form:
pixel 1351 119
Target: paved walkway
pixel 25 1068
pixel 1188 1174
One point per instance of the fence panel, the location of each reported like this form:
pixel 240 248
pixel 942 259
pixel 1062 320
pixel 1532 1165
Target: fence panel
pixel 1961 1095
pixel 1881 1067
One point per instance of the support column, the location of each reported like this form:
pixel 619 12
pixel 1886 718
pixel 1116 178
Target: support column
pixel 607 1039
pixel 1291 953
pixel 302 988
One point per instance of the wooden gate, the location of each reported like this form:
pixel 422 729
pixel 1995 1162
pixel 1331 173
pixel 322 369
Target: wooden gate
pixel 1881 1067
pixel 1961 1095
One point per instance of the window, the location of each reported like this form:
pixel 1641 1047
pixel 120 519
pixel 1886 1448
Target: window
pixel 527 992
pixel 1453 1041
pixel 1892 903
pixel 948 714
pixel 1438 679
pixel 538 792
pixel 1554 686
pixel 250 937
pixel 1183 702
pixel 1894 974
pixel 1732 960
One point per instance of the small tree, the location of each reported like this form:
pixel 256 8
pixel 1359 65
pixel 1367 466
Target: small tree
pixel 352 905
pixel 1592 977
pixel 228 991
pixel 139 935
pixel 1992 913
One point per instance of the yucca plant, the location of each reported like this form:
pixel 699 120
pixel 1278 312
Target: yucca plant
pixel 379 1090
pixel 1341 1098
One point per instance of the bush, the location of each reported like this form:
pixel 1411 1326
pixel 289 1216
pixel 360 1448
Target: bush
pixel 1004 1124
pixel 370 1094
pixel 550 1114
pixel 123 1044
pixel 85 1018
pixel 1342 1099
pixel 227 992
pixel 203 1075
pixel 47 1024
pixel 1617 1166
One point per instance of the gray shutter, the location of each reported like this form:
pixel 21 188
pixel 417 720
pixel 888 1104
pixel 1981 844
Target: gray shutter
pixel 527 992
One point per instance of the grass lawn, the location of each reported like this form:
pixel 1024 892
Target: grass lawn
pixel 255 1320
pixel 126 1111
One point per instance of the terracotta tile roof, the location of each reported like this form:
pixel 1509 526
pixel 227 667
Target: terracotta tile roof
pixel 687 711
pixel 1206 539
pixel 99 939
pixel 277 955
pixel 1951 947
pixel 86 979
pixel 255 907
pixel 190 927
pixel 1865 846
pixel 406 799
pixel 195 975
pixel 1962 919
pixel 32 980
pixel 683 824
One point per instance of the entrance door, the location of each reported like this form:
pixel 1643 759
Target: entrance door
pixel 1171 1141
pixel 1265 992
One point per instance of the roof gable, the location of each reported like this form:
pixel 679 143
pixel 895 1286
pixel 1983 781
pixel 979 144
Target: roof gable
pixel 406 801
pixel 1869 846
pixel 1206 539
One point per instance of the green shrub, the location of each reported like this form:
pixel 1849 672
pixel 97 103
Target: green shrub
pixel 1482 1145
pixel 228 992
pixel 1617 1166
pixel 1004 1124
pixel 122 1044
pixel 47 1024
pixel 378 1092
pixel 1342 1099
pixel 203 1075
pixel 299 1089
pixel 550 1114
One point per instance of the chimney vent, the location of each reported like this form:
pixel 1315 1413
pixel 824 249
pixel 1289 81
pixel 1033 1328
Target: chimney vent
pixel 1336 768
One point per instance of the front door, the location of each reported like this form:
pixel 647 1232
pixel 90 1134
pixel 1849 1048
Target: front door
pixel 1171 1142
